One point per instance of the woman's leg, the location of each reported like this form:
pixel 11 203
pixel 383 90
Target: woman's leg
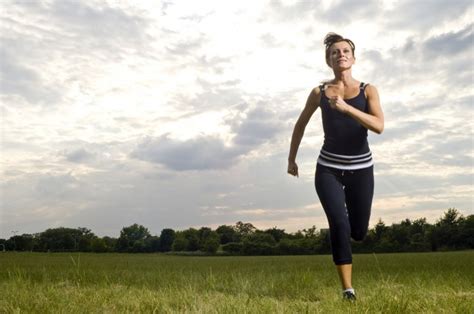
pixel 359 190
pixel 345 274
pixel 331 194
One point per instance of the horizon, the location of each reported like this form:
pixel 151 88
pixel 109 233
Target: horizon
pixel 17 232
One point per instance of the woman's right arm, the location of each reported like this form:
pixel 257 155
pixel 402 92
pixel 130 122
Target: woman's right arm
pixel 312 103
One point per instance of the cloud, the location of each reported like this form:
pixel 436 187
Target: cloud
pixel 202 153
pixel 259 126
pixel 420 16
pixel 66 37
pixel 450 44
pixel 79 155
pixel 18 79
pixel 436 59
pixel 343 11
pixel 250 130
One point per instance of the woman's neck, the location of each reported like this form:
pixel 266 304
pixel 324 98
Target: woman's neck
pixel 343 78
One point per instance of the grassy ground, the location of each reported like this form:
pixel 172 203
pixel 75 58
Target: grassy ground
pixel 89 283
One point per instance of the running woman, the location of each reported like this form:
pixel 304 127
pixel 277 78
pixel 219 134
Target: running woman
pixel 344 178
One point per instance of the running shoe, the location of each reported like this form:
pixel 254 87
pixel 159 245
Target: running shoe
pixel 349 296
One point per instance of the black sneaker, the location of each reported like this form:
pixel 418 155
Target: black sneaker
pixel 349 296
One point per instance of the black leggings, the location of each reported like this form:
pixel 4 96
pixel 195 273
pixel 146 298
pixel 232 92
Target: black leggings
pixel 346 196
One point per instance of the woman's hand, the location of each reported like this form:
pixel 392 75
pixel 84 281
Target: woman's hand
pixel 339 104
pixel 293 168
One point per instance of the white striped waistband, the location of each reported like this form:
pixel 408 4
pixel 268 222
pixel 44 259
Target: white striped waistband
pixel 345 162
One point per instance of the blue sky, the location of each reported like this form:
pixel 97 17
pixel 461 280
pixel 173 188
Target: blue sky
pixel 179 114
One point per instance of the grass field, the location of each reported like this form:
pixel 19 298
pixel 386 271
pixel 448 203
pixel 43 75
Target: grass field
pixel 88 283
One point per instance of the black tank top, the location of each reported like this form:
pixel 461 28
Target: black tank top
pixel 345 140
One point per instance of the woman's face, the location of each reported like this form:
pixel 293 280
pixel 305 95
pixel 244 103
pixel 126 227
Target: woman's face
pixel 340 56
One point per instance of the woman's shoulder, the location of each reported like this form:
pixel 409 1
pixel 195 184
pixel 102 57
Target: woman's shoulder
pixel 369 89
pixel 321 87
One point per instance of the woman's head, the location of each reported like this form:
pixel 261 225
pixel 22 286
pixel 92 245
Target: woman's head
pixel 333 38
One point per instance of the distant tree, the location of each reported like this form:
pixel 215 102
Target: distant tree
pixel 297 235
pixel 24 242
pixel 203 232
pixel 310 233
pixel 210 243
pixel 227 234
pixel 276 233
pixel 445 232
pixel 110 243
pixel 379 230
pixel 85 239
pixel 193 239
pixel 419 226
pixel 399 235
pixel 98 245
pixel 232 247
pixel 244 228
pixel 466 232
pixel 3 245
pixel 451 218
pixel 258 243
pixel 166 239
pixel 288 246
pixel 132 239
pixel 64 239
pixel 419 238
pixel 152 244
pixel 180 242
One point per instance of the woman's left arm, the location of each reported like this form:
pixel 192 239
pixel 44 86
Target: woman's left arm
pixel 373 120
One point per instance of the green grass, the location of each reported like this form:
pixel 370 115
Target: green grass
pixel 89 283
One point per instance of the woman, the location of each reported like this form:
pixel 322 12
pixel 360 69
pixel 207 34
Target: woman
pixel 344 177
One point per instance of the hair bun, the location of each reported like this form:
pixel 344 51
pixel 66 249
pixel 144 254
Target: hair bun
pixel 332 38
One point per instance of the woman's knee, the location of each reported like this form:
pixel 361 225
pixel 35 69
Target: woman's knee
pixel 358 235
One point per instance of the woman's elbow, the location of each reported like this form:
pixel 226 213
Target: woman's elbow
pixel 379 128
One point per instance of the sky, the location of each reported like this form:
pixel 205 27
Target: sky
pixel 179 114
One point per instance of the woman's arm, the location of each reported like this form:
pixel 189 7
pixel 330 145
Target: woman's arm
pixel 374 120
pixel 312 103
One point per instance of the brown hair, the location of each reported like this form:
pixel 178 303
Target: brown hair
pixel 332 38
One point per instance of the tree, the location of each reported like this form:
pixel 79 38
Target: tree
pixel 259 243
pixel 445 233
pixel 379 230
pixel 466 232
pixel 276 233
pixel 193 240
pixel 419 240
pixel 227 234
pixel 24 242
pixel 166 239
pixel 65 239
pixel 244 228
pixel 203 232
pixel 310 233
pixel 232 247
pixel 152 244
pixel 98 245
pixel 451 218
pixel 180 243
pixel 85 239
pixel 110 243
pixel 132 238
pixel 211 242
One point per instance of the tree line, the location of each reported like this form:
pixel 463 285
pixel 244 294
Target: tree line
pixel 452 231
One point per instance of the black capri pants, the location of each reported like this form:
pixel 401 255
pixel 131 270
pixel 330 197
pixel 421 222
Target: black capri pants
pixel 346 196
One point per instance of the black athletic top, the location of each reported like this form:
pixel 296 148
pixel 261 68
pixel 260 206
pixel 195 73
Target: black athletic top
pixel 345 140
